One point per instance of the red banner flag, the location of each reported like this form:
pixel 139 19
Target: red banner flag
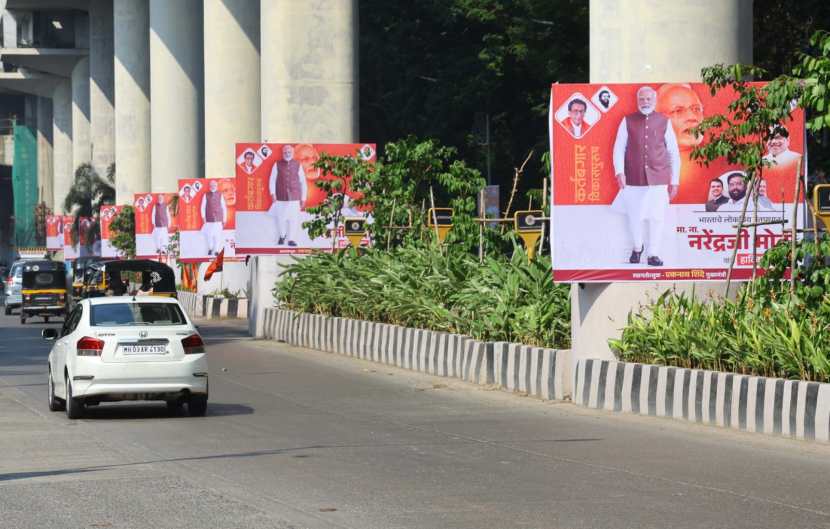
pixel 215 265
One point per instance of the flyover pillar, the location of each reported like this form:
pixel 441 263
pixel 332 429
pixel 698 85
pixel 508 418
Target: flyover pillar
pixel 81 145
pixel 101 89
pixel 62 143
pixel 639 41
pixel 309 71
pixel 131 33
pixel 309 80
pixel 176 81
pixel 45 167
pixel 232 83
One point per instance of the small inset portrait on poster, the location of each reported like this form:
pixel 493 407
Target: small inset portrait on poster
pixel 186 193
pixel 778 152
pixel 577 115
pixel 604 99
pixel 250 160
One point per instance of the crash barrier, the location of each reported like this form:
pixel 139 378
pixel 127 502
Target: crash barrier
pixel 536 371
pixel 774 406
pixel 212 307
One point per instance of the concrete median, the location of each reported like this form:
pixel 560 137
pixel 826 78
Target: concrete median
pixel 541 372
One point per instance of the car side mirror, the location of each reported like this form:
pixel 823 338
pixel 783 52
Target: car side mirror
pixel 49 334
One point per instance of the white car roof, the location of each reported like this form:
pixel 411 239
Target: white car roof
pixel 108 300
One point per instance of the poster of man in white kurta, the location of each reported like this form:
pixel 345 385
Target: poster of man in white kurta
pixel 214 216
pixel 289 192
pixel 161 224
pixel 647 168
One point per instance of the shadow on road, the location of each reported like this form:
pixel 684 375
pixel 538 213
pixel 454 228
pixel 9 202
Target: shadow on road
pixel 147 410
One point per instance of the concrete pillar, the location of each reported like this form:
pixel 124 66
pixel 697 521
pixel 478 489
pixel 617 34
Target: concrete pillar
pixel 62 143
pixel 81 147
pixel 309 79
pixel 232 83
pixel 45 167
pixel 101 88
pixel 131 21
pixel 176 80
pixel 639 41
pixel 309 70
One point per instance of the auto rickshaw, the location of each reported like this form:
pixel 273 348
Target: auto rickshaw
pixel 129 277
pixel 79 270
pixel 44 290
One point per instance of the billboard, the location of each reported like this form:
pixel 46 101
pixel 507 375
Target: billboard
pixel 155 222
pixel 275 185
pixel 54 233
pixel 108 213
pixel 71 251
pixel 629 203
pixel 206 218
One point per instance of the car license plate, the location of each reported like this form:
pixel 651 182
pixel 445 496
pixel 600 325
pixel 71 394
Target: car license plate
pixel 143 349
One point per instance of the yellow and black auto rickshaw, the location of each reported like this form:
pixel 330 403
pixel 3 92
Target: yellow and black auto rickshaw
pixel 44 290
pixel 129 277
pixel 80 267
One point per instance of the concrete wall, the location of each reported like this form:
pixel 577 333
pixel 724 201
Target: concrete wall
pixel 45 167
pixel 642 41
pixel 81 142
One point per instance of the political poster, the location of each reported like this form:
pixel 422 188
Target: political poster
pixel 630 204
pixel 155 223
pixel 54 233
pixel 71 249
pixel 206 218
pixel 108 214
pixel 275 186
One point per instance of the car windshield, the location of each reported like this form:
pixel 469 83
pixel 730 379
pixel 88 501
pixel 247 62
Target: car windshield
pixel 118 314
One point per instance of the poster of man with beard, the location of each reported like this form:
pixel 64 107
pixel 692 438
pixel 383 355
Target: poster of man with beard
pixel 630 204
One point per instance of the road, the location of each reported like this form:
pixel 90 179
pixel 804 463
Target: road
pixel 297 438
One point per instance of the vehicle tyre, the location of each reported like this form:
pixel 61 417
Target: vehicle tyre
pixel 8 311
pixel 174 407
pixel 46 319
pixel 197 405
pixel 74 407
pixel 55 404
pixel 22 319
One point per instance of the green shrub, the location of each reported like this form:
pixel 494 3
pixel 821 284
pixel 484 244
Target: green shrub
pixel 771 329
pixel 419 286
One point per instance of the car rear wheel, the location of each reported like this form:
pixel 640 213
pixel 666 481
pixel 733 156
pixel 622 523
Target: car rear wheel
pixel 197 405
pixel 55 404
pixel 74 407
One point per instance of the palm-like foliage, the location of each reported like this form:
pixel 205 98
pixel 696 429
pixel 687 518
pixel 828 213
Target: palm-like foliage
pixel 88 193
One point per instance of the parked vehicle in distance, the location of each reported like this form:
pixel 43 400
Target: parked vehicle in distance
pixel 44 290
pixel 127 348
pixel 13 285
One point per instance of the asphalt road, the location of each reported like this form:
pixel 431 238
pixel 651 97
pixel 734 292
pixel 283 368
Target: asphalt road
pixel 296 438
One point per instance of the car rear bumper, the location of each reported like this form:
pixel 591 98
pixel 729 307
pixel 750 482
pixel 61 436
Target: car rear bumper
pixel 144 379
pixel 14 300
pixel 44 310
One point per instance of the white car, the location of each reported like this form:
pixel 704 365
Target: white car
pixel 127 348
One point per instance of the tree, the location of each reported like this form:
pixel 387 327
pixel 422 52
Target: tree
pixel 86 196
pixel 448 64
pixel 122 232
pixel 758 112
pixel 399 188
